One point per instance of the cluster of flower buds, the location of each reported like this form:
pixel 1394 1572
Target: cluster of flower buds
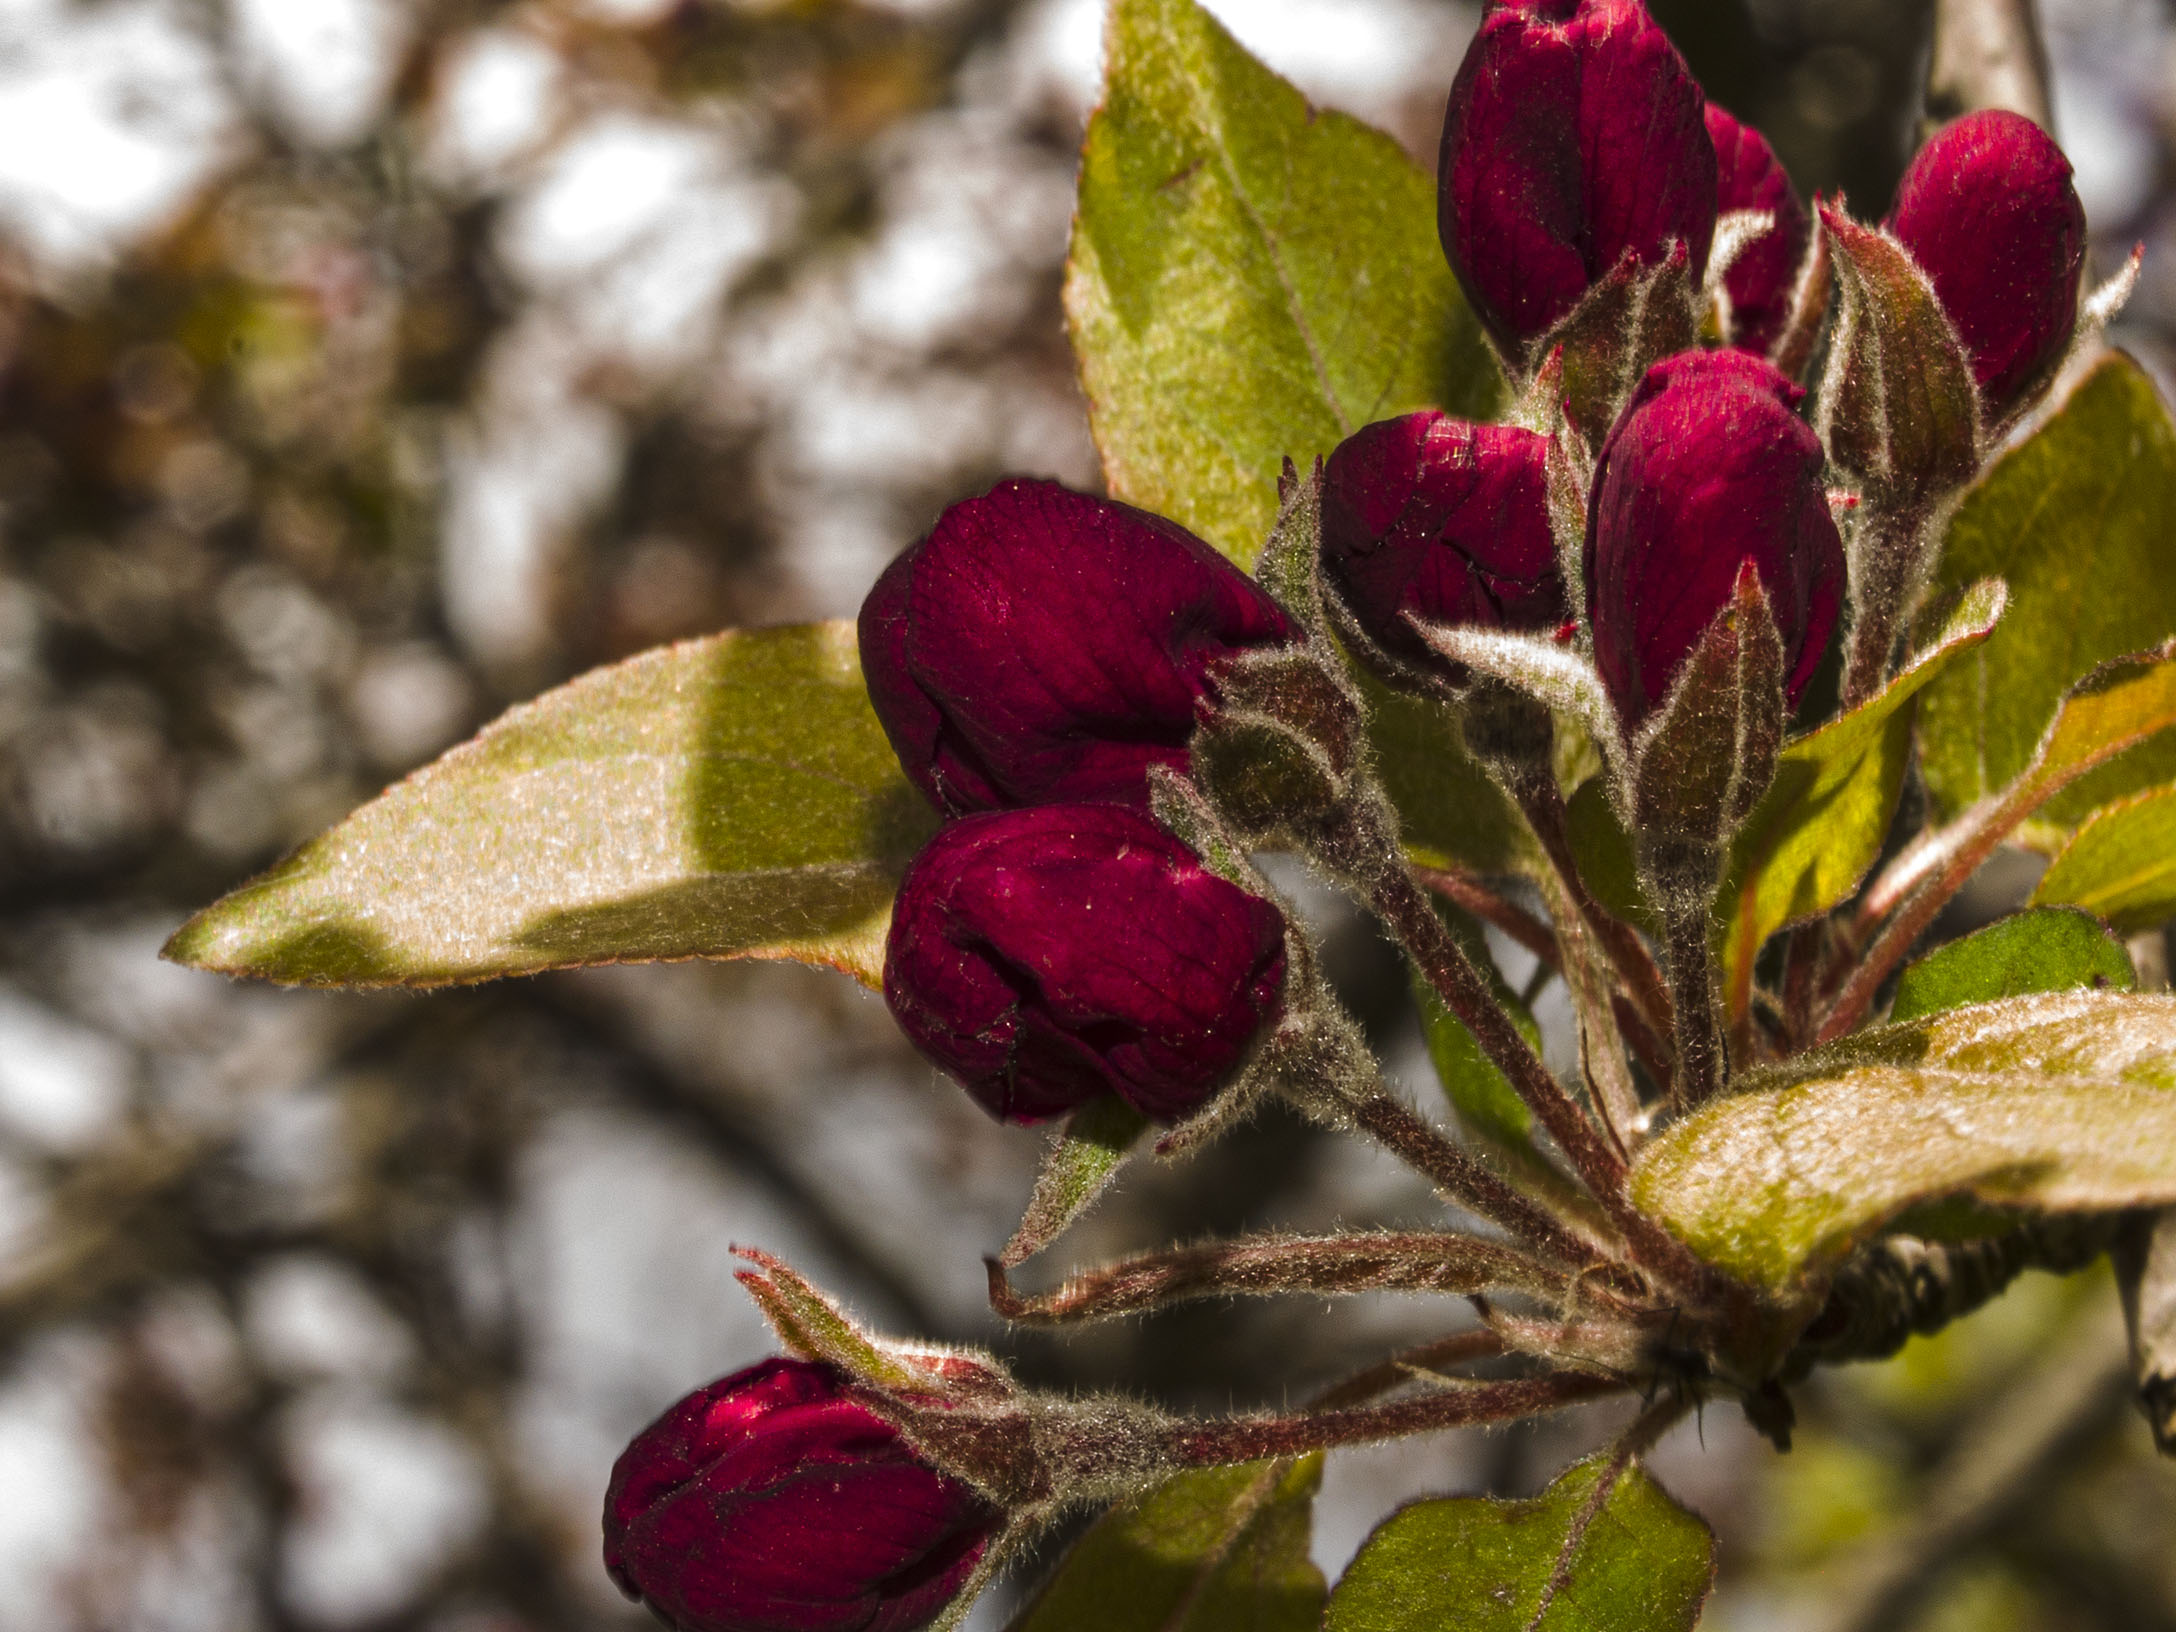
pixel 1032 659
pixel 1578 154
pixel 1107 713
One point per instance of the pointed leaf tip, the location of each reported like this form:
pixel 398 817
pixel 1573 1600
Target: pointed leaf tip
pixel 732 797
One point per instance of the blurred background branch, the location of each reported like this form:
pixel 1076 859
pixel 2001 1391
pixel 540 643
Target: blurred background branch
pixel 1988 54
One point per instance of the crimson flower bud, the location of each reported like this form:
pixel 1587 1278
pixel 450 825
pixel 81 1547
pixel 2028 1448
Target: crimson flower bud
pixel 1573 138
pixel 1041 645
pixel 1988 211
pixel 1435 518
pixel 772 1501
pixel 1761 280
pixel 1051 955
pixel 1707 468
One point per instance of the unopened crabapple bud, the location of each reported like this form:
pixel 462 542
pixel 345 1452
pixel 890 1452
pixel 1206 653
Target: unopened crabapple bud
pixel 774 1501
pixel 1988 211
pixel 1042 645
pixel 1706 468
pixel 1761 280
pixel 1433 518
pixel 1048 956
pixel 1573 138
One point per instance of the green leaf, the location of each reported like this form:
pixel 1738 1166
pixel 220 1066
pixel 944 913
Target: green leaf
pixel 1250 279
pixel 2123 703
pixel 2077 521
pixel 1450 813
pixel 1211 1550
pixel 812 1325
pixel 2048 949
pixel 2062 1102
pixel 1088 1154
pixel 1643 1564
pixel 1603 850
pixel 732 797
pixel 1479 1092
pixel 1820 826
pixel 2121 864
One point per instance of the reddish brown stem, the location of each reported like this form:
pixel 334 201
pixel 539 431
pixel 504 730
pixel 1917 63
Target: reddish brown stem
pixel 1701 1057
pixel 1801 971
pixel 1460 1348
pixel 1402 906
pixel 1651 1050
pixel 1466 1182
pixel 1542 803
pixel 1471 895
pixel 1957 861
pixel 1400 903
pixel 1457 1405
pixel 1323 1266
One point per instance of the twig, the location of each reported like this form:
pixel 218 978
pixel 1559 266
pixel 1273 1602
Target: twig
pixel 1401 905
pixel 1398 900
pixel 1702 1058
pixel 1465 1181
pixel 1541 801
pixel 1998 1462
pixel 1988 54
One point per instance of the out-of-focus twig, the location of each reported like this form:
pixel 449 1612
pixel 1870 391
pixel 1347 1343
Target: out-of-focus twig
pixel 1999 1461
pixel 1988 54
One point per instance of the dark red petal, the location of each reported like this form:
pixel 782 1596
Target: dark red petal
pixel 1051 955
pixel 1573 137
pixel 1042 645
pixel 1761 280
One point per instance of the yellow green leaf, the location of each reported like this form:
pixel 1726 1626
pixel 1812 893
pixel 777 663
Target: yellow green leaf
pixel 2076 520
pixel 732 797
pixel 1250 279
pixel 2121 864
pixel 2061 1102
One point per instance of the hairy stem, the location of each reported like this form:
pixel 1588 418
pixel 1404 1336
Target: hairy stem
pixel 1405 908
pixel 1402 1368
pixel 1321 1064
pixel 1682 876
pixel 1266 1265
pixel 1465 1181
pixel 1801 969
pixel 1692 982
pixel 1596 1002
pixel 1953 857
pixel 1454 1405
pixel 1399 902
pixel 1541 801
pixel 1888 561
